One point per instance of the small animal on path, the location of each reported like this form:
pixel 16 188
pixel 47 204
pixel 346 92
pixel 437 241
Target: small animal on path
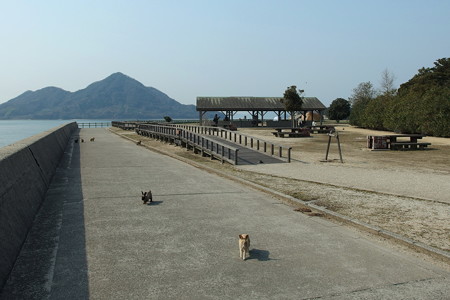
pixel 92 139
pixel 244 246
pixel 138 143
pixel 82 140
pixel 147 197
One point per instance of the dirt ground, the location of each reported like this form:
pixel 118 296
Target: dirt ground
pixel 418 219
pixel 355 153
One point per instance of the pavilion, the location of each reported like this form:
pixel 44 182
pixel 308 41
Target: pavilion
pixel 257 107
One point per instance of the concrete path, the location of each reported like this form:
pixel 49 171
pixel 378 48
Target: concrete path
pixel 94 239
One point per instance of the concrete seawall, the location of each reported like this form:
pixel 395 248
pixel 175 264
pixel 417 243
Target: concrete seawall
pixel 26 170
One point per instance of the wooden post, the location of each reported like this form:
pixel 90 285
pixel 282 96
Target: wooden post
pixel 336 134
pixel 339 146
pixel 328 147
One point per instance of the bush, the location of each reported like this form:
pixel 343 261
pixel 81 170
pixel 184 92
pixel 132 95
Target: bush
pixel 422 105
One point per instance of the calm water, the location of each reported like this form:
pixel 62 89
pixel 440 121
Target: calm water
pixel 12 131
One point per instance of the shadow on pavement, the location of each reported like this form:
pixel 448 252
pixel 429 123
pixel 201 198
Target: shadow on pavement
pixel 261 255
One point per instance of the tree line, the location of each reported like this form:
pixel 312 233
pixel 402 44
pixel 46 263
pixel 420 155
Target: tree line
pixel 421 105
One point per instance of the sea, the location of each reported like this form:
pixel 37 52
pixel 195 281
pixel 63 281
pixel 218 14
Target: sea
pixel 12 131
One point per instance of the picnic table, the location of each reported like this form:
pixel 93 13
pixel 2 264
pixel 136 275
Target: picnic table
pixel 320 128
pixel 397 142
pixel 291 132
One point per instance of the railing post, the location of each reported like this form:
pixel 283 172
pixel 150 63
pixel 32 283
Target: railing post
pixel 187 141
pixel 223 154
pixel 272 149
pixel 257 145
pixel 280 151
pixel 289 154
pixel 265 147
pixel 236 156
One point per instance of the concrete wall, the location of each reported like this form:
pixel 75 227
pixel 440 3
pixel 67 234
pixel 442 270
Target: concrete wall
pixel 26 170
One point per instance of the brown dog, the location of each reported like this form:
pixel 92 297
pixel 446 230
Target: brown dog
pixel 244 246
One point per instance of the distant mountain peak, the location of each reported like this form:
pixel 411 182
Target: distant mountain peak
pixel 119 75
pixel 117 96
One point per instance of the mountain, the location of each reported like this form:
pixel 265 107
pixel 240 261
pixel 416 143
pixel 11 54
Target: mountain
pixel 115 97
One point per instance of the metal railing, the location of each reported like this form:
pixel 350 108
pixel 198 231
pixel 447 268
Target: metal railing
pixel 191 140
pixel 251 142
pixel 125 125
pixel 93 124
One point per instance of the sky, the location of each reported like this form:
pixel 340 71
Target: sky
pixel 219 48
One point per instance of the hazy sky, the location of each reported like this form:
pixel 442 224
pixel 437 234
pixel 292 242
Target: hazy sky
pixel 219 48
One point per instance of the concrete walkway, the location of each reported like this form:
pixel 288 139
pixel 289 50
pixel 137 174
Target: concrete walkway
pixel 94 239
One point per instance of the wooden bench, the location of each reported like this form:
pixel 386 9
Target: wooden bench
pixel 289 134
pixel 409 145
pixel 321 128
pixel 391 142
pixel 231 127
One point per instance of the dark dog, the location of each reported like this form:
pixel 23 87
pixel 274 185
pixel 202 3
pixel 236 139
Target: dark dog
pixel 147 197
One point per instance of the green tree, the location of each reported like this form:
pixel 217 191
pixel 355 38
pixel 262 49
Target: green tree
pixel 168 119
pixel 375 111
pixel 292 101
pixel 422 104
pixel 437 76
pixel 339 109
pixel 360 98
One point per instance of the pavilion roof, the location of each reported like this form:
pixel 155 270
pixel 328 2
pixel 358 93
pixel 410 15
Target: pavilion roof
pixel 252 104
